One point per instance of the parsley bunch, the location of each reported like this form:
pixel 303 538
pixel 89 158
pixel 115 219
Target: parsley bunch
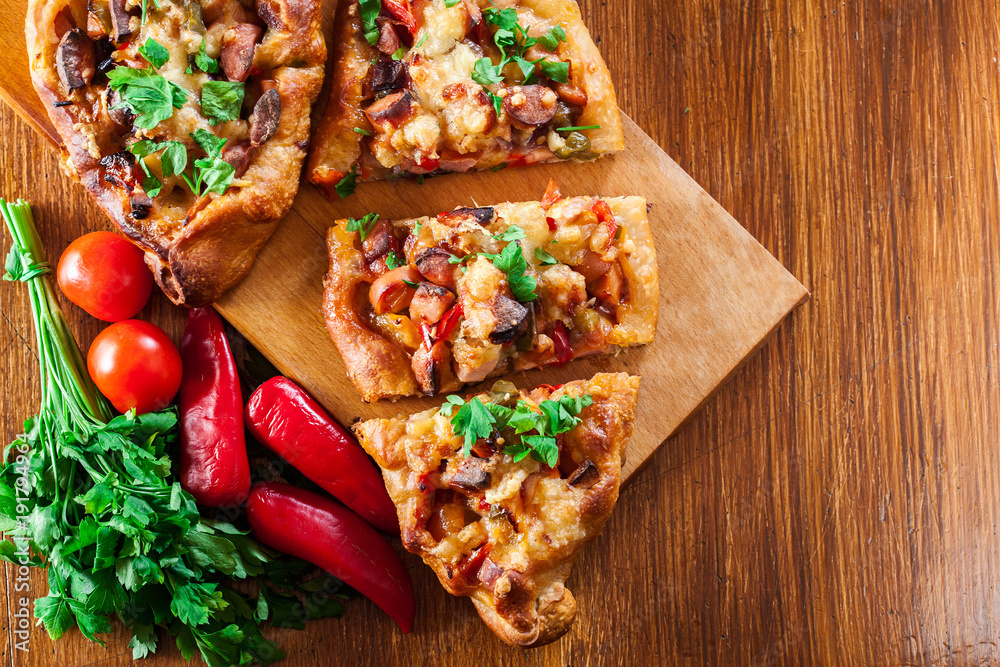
pixel 478 419
pixel 91 499
pixel 513 41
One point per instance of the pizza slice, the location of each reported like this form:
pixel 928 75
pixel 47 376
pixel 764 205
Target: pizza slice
pixel 433 86
pixel 426 305
pixel 499 493
pixel 187 121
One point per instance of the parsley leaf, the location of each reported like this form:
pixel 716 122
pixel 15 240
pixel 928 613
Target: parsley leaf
pixel 544 257
pixel 473 421
pixel 485 72
pixel 205 62
pixel 399 54
pixel 155 53
pixel 221 100
pixel 362 226
pixel 451 3
pixel 174 158
pixel 556 70
pixel 215 174
pixel 208 142
pixel 20 266
pixel 369 12
pixel 512 233
pixel 551 39
pixel 393 261
pixel 544 448
pixel 146 94
pixel 511 261
pixel 345 186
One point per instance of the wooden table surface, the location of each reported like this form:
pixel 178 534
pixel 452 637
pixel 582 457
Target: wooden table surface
pixel 835 502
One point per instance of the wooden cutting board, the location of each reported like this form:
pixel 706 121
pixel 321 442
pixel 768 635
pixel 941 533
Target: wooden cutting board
pixel 721 292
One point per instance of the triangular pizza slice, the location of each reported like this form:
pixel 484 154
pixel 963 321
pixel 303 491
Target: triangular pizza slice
pixel 499 492
pixel 432 86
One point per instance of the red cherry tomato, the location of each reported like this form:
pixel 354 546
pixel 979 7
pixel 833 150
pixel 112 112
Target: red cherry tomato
pixel 135 365
pixel 105 275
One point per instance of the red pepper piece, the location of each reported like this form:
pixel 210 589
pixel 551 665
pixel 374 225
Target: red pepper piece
pixel 214 465
pixel 328 535
pixel 564 350
pixel 400 10
pixel 551 196
pixel 286 420
pixel 607 216
pixel 448 321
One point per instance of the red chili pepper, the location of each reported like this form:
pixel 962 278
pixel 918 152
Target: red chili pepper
pixel 560 336
pixel 285 419
pixel 214 466
pixel 328 535
pixel 551 222
pixel 430 164
pixel 551 196
pixel 607 216
pixel 448 321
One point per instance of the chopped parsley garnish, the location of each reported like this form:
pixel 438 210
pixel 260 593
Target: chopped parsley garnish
pixel 369 12
pixel 451 3
pixel 544 257
pixel 345 186
pixel 205 62
pixel 499 167
pixel 513 40
pixel 221 100
pixel 551 39
pixel 155 53
pixel 393 261
pixel 511 261
pixel 423 39
pixel 362 226
pixel 417 227
pixel 212 172
pixel 512 233
pixel 409 283
pixel 146 94
pixel 361 130
pixel 578 128
pixel 399 54
pixel 477 420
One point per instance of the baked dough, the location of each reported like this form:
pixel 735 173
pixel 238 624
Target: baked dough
pixel 410 105
pixel 416 308
pixel 197 245
pixel 501 532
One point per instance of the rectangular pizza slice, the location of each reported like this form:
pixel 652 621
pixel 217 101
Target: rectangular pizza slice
pixel 499 493
pixel 426 305
pixel 432 86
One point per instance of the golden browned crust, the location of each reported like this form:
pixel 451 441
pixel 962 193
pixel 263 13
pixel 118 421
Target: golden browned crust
pixel 376 366
pixel 337 148
pixel 530 521
pixel 380 367
pixel 199 252
pixel 335 145
pixel 602 104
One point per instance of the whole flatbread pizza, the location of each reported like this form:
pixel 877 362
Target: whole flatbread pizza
pixel 187 121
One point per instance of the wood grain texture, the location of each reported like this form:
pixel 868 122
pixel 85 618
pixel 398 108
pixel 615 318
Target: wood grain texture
pixel 835 502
